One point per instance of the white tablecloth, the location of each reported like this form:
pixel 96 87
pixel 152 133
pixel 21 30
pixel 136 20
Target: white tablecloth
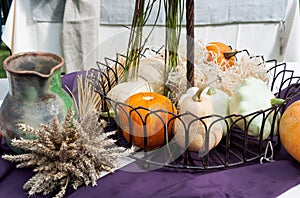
pixel 22 34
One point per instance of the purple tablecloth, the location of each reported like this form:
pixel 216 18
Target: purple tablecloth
pixel 252 180
pixel 256 180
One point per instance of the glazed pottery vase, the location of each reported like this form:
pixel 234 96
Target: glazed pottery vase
pixel 35 93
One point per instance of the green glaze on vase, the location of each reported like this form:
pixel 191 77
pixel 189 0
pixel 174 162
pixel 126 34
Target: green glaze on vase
pixel 35 93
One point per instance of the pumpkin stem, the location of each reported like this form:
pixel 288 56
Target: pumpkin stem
pixel 228 55
pixel 211 91
pixel 197 96
pixel 276 101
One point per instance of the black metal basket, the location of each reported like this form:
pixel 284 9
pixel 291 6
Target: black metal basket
pixel 236 148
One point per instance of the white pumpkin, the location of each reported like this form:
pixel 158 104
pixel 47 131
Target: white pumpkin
pixel 124 90
pixel 220 102
pixel 152 69
pixel 197 132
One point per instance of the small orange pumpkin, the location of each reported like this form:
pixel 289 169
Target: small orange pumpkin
pixel 289 130
pixel 216 53
pixel 144 118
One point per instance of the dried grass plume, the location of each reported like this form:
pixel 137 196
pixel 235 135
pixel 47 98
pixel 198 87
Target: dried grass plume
pixel 69 154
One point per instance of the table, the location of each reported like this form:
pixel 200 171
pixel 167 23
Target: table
pixel 254 180
pixel 269 179
pixel 23 34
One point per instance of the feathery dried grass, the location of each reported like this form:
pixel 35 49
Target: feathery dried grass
pixel 69 154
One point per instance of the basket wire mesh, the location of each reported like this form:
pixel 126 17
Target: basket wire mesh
pixel 236 148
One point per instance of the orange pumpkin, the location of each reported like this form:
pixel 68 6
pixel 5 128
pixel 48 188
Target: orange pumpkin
pixel 148 113
pixel 289 130
pixel 216 52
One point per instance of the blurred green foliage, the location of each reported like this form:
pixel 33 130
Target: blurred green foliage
pixel 4 53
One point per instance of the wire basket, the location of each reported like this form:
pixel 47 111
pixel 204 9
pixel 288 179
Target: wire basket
pixel 234 149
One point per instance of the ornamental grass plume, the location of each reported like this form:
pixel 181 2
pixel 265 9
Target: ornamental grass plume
pixel 69 154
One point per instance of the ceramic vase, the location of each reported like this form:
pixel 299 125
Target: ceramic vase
pixel 35 93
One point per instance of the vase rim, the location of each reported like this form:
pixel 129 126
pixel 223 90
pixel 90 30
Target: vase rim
pixel 46 55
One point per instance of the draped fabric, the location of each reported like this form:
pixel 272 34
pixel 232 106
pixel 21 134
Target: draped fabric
pixel 207 12
pixel 80 24
pixel 263 27
pixel 80 34
pixel 48 10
